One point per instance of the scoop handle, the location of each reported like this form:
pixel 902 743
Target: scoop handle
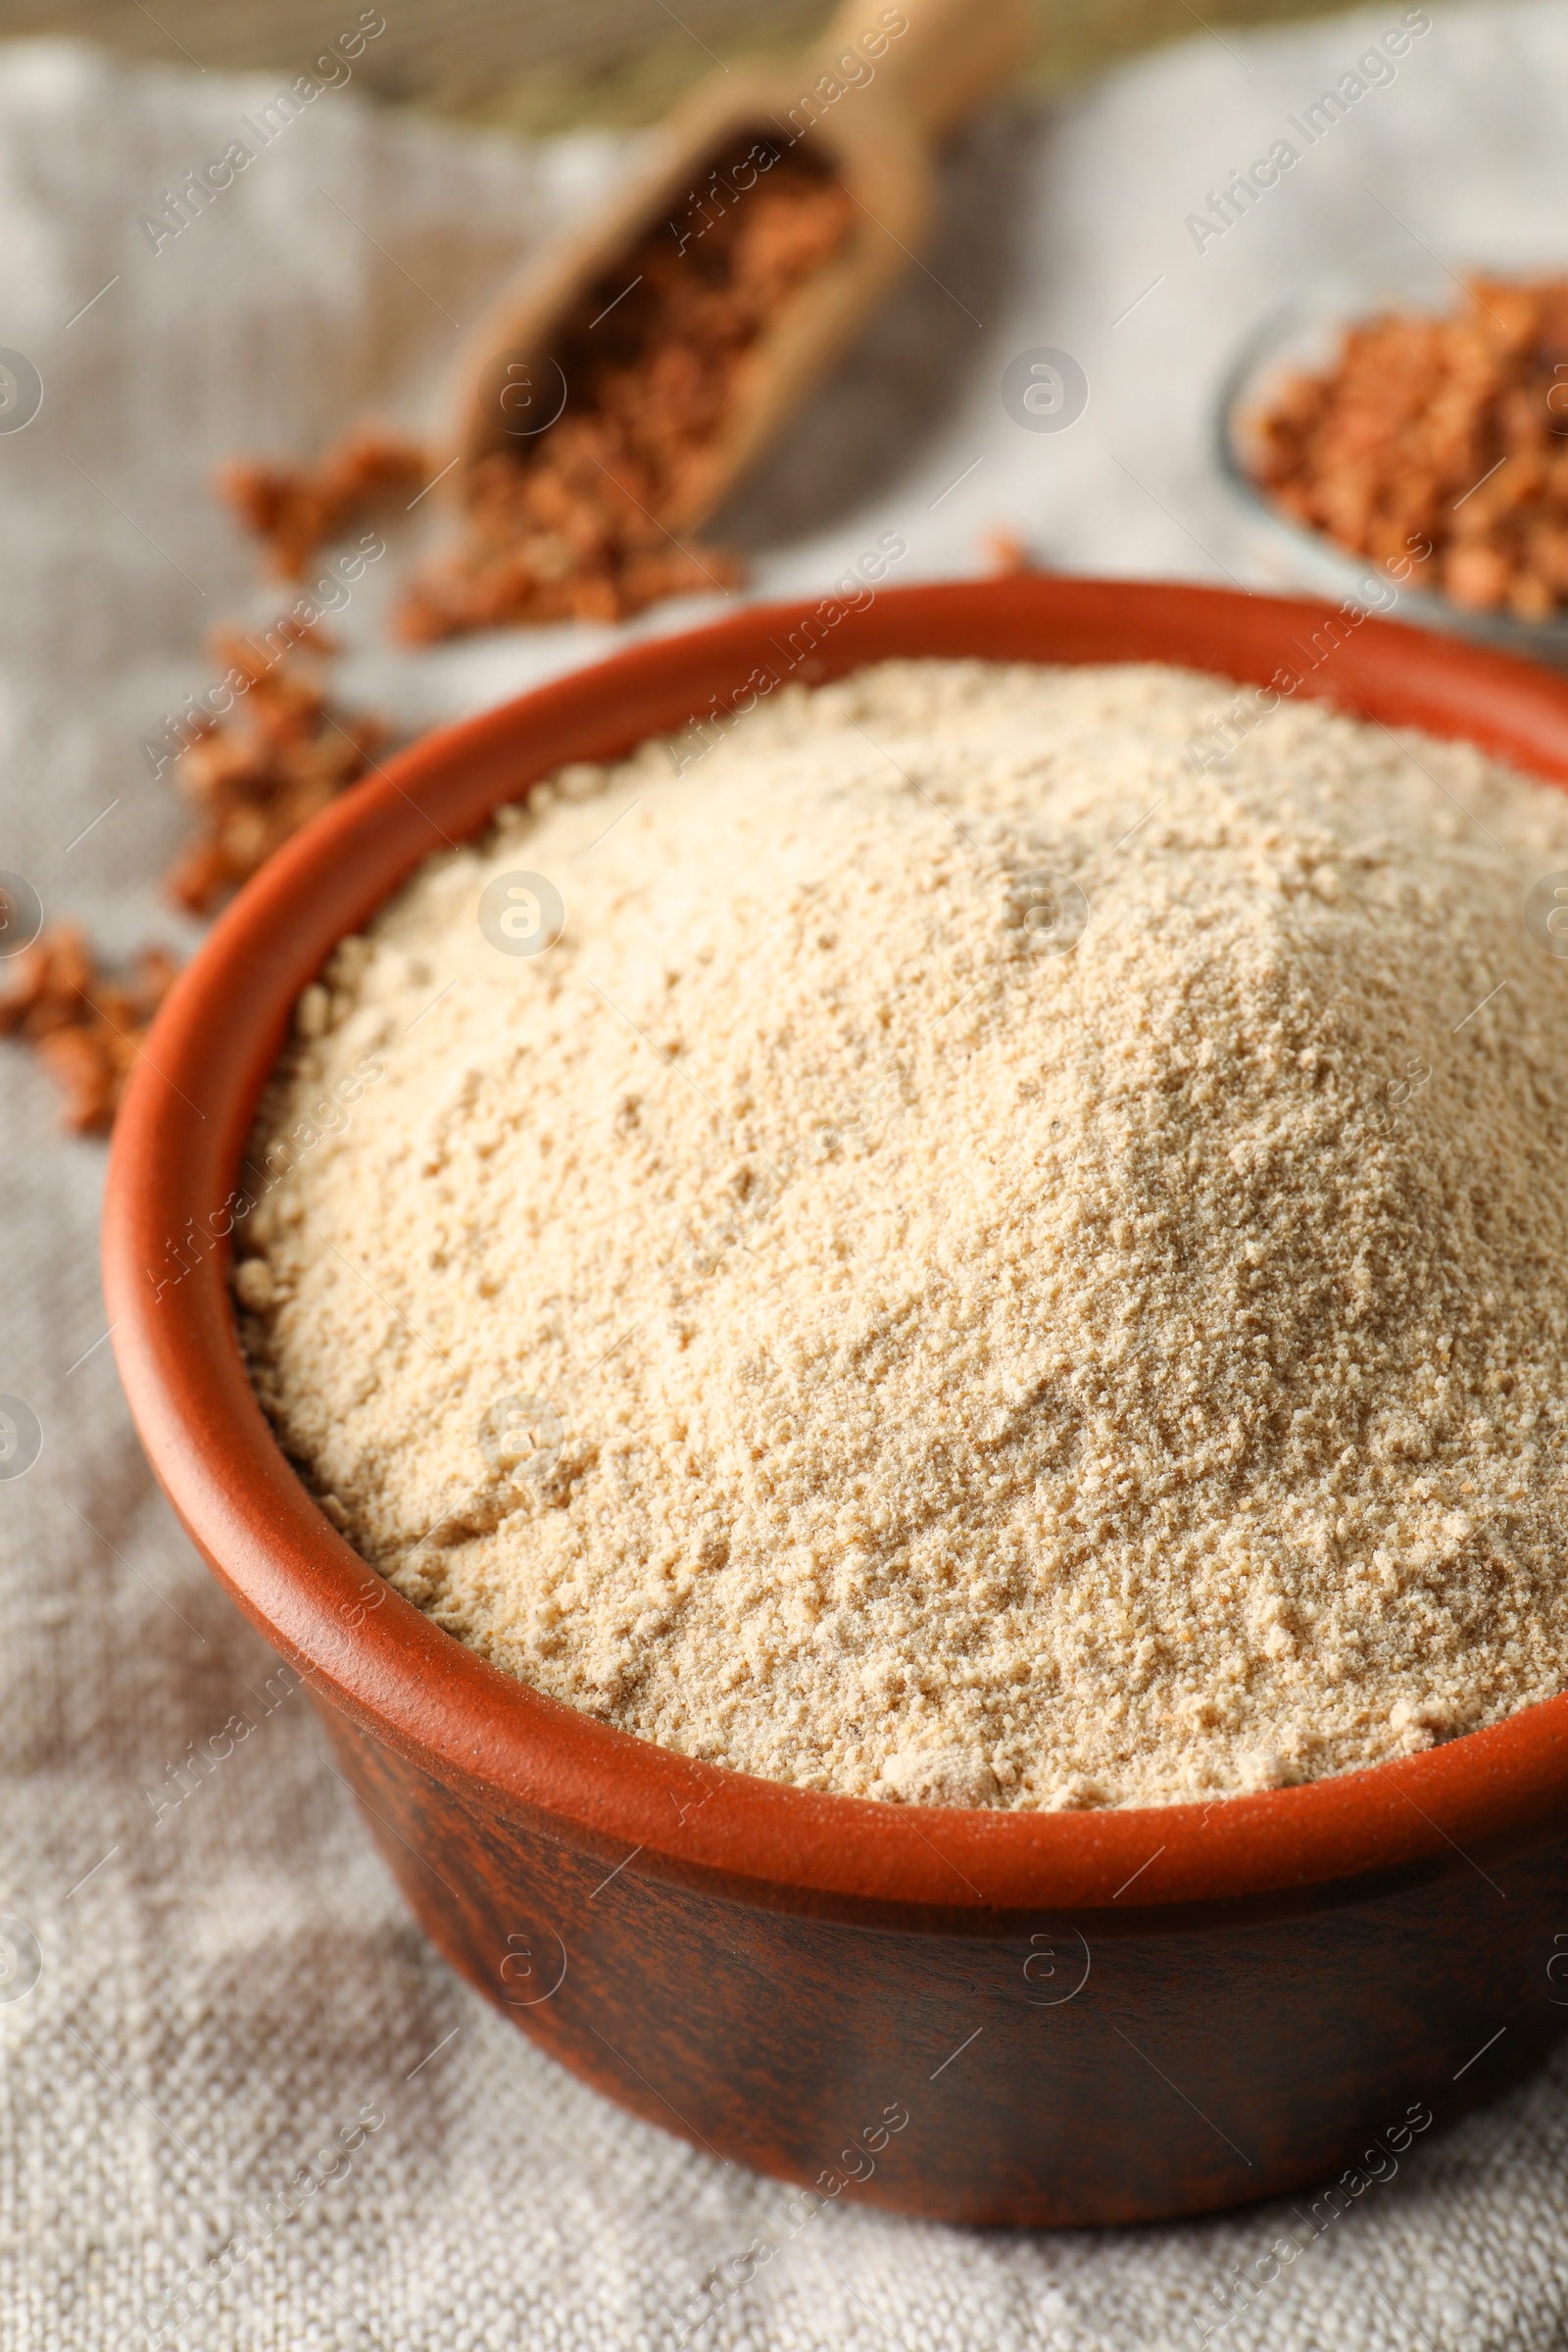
pixel 934 60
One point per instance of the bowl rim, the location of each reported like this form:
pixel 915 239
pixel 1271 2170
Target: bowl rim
pixel 176 1153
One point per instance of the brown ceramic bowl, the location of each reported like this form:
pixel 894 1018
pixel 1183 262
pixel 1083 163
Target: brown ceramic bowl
pixel 981 2016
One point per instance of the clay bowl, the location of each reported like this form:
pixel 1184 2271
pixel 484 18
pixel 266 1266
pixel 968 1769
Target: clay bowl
pixel 984 2017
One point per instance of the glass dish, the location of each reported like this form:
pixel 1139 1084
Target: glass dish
pixel 1304 333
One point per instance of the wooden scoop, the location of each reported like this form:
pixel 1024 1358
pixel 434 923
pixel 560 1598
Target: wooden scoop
pixel 869 102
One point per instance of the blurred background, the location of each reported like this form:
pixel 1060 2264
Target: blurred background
pixel 564 65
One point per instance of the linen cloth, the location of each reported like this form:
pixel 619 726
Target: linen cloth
pixel 228 1982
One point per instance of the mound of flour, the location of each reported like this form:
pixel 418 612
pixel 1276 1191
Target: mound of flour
pixel 985 1265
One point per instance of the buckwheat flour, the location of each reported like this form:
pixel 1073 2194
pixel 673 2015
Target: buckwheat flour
pixel 985 1266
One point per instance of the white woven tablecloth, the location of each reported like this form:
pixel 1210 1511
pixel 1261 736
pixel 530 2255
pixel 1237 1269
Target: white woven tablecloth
pixel 227 1981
